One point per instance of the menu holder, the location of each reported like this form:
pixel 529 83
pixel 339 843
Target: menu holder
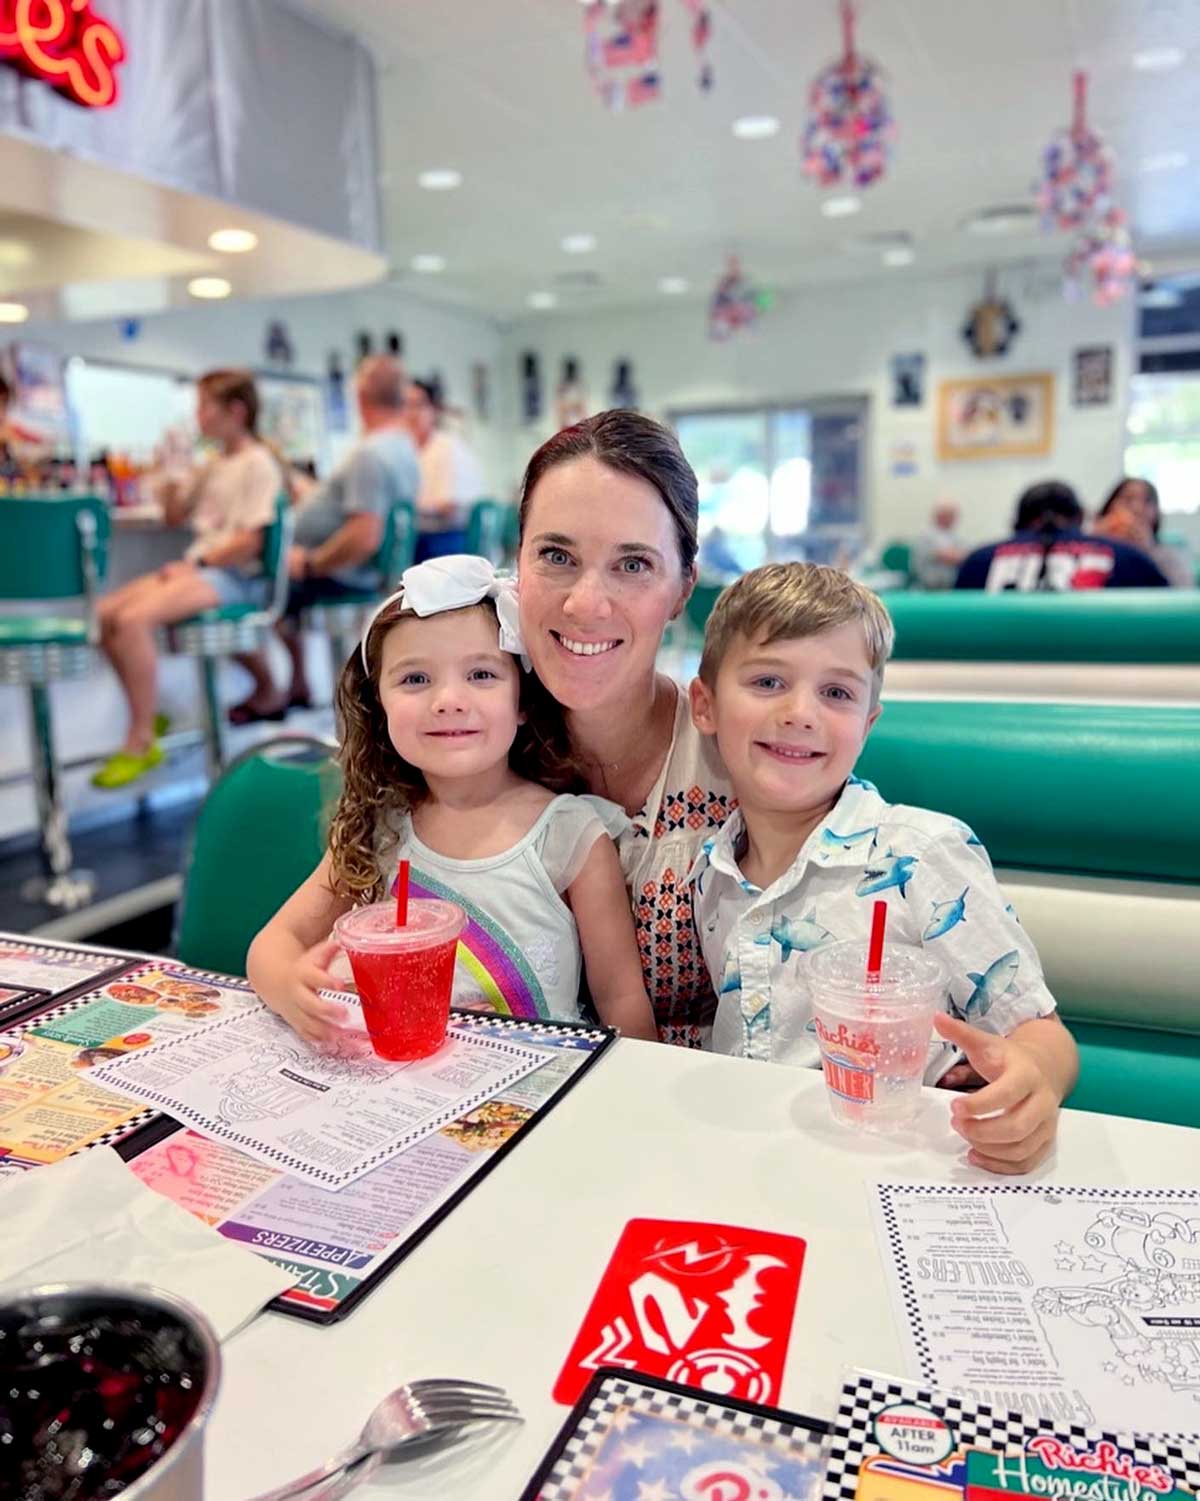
pixel 634 1435
pixel 34 975
pixel 340 1245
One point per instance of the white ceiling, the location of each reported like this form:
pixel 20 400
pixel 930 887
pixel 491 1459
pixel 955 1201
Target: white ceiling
pixel 498 90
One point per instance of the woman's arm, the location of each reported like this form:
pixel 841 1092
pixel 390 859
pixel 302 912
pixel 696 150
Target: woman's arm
pixel 287 962
pixel 231 551
pixel 600 903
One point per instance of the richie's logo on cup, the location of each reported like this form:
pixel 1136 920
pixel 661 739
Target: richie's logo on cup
pixel 856 1042
pixel 65 44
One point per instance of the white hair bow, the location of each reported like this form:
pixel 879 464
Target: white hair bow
pixel 452 583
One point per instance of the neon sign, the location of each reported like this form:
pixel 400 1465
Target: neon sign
pixel 62 43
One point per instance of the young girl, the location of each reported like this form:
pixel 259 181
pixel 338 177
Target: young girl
pixel 446 747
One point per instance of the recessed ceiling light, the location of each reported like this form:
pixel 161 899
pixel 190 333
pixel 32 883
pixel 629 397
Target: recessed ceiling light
pixel 755 127
pixel 543 300
pixel 1165 161
pixel 838 208
pixel 1158 59
pixel 429 264
pixel 900 255
pixel 15 253
pixel 232 241
pixel 440 179
pixel 209 288
pixel 673 286
pixel 578 244
pixel 13 312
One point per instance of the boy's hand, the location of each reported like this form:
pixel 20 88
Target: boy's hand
pixel 1018 1101
pixel 315 1018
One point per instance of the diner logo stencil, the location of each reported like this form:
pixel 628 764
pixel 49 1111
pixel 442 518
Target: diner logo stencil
pixel 709 1306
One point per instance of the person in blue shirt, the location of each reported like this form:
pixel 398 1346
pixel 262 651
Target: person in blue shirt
pixel 1049 550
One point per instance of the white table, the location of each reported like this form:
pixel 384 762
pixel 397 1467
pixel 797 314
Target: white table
pixel 498 1290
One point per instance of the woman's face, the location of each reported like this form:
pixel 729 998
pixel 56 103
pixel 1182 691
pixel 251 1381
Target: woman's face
pixel 218 422
pixel 1133 502
pixel 599 578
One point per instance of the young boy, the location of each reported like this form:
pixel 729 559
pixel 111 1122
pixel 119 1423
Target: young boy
pixel 789 684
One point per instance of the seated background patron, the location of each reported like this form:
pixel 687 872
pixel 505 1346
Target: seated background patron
pixel 1132 514
pixel 451 477
pixel 939 549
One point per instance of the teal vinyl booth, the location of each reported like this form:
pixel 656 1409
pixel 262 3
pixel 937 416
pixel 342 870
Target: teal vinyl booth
pixel 1091 815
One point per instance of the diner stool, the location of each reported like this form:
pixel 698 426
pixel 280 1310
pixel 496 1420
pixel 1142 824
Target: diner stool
pixel 259 834
pixel 228 629
pixel 343 615
pixel 485 530
pixel 51 548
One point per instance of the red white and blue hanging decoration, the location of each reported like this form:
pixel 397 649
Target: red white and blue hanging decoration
pixel 850 129
pixel 735 303
pixel 622 49
pixel 1076 193
pixel 1077 172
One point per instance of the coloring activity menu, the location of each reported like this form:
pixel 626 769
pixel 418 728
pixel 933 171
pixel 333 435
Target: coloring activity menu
pixel 50 1103
pixel 334 1243
pixel 1079 1304
pixel 326 1115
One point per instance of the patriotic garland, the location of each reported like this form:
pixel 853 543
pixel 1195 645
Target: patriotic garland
pixel 622 49
pixel 850 128
pixel 735 304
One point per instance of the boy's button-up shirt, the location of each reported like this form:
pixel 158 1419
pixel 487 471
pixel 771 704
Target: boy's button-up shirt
pixel 941 893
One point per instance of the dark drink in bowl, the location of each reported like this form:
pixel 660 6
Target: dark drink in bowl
pixel 103 1392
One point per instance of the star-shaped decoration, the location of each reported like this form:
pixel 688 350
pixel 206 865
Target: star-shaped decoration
pixel 1065 1263
pixel 634 1454
pixel 1090 1264
pixel 1063 1247
pixel 685 1439
pixel 1109 1366
pixel 621 1419
pixel 656 1492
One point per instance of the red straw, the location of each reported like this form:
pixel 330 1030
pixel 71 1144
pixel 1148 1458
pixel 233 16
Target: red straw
pixel 875 952
pixel 402 895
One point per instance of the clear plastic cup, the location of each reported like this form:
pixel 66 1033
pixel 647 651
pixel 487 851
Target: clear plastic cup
pixel 405 976
pixel 874 1037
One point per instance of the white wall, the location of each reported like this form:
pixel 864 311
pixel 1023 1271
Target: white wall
pixel 233 333
pixel 837 341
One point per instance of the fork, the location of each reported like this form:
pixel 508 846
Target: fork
pixel 418 1413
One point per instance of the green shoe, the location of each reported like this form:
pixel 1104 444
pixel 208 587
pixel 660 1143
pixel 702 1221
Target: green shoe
pixel 122 767
pixel 162 723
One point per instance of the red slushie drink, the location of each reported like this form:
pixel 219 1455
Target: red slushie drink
pixel 404 975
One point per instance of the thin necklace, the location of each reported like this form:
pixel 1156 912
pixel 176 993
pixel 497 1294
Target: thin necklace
pixel 606 766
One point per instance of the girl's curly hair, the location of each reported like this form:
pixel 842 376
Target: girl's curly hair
pixel 377 781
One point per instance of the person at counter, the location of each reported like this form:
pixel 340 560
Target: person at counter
pixel 338 529
pixel 229 502
pixel 939 549
pixel 1050 550
pixel 451 478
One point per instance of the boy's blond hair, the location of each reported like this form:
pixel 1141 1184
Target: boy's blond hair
pixel 789 601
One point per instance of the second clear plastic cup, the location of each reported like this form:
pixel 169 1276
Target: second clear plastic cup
pixel 405 976
pixel 874 1037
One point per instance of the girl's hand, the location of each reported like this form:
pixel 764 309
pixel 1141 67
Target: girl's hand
pixel 297 1002
pixel 1011 1122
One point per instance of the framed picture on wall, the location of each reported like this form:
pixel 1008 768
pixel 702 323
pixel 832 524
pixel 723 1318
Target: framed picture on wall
pixel 1007 416
pixel 1092 376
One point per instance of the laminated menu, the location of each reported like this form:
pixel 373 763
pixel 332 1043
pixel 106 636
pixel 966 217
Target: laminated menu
pixel 896 1440
pixel 38 971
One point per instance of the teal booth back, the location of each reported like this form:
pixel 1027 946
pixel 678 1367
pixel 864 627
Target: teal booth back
pixel 1092 816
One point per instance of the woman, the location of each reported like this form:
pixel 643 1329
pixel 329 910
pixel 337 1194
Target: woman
pixel 1132 514
pixel 229 502
pixel 451 479
pixel 607 557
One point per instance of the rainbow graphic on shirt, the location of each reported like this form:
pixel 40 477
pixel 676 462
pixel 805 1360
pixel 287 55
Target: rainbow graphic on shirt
pixel 488 954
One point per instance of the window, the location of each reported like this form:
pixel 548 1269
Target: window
pixel 777 483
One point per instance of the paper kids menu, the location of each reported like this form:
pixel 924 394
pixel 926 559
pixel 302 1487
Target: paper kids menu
pixel 50 1103
pixel 338 1244
pixel 898 1440
pixel 1079 1304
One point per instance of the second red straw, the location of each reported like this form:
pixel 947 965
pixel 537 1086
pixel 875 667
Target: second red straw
pixel 875 951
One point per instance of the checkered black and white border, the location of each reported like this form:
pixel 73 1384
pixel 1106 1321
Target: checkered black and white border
pixel 974 1425
pixel 617 1394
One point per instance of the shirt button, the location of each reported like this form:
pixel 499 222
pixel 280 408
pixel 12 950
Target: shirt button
pixel 756 919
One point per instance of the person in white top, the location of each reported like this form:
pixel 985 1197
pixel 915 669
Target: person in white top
pixel 789 687
pixel 451 477
pixel 939 549
pixel 608 517
pixel 229 502
pixel 447 755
